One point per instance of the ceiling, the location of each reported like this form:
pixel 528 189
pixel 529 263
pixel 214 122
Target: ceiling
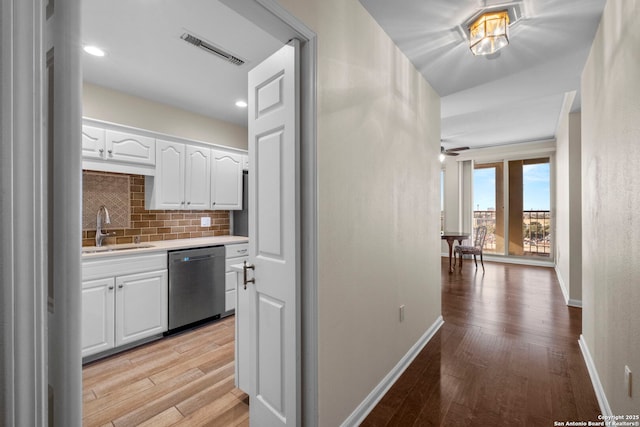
pixel 515 96
pixel 146 57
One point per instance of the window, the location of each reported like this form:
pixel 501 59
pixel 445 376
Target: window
pixel 515 210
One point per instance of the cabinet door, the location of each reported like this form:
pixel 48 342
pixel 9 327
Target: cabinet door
pixel 97 315
pixel 130 148
pixel 93 142
pixel 141 306
pixel 230 290
pixel 198 177
pixel 169 179
pixel 226 182
pixel 245 162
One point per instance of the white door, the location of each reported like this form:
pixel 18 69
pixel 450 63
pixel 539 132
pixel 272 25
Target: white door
pixel 271 320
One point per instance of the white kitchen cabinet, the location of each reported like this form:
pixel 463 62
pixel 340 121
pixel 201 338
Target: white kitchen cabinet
pixel 198 177
pixel 109 150
pixel 93 142
pixel 124 300
pixel 130 148
pixel 141 306
pixel 182 179
pixel 235 254
pixel 226 180
pixel 98 305
pixel 245 162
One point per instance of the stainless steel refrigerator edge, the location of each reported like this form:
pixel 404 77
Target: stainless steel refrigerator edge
pixel 241 218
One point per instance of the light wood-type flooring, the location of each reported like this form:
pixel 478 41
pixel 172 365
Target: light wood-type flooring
pixel 181 380
pixel 507 355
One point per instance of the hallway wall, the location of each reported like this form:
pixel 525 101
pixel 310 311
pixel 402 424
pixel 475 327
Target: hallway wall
pixel 378 139
pixel 568 218
pixel 611 202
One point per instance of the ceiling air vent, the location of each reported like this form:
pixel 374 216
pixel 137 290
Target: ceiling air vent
pixel 212 49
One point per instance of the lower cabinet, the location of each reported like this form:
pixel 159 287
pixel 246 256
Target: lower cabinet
pixel 119 310
pixel 236 254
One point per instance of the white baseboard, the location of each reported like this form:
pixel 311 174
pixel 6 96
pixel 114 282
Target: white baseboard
pixel 595 379
pixel 574 303
pixel 563 287
pixel 565 292
pixel 367 405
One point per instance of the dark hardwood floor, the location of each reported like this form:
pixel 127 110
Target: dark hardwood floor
pixel 181 380
pixel 507 355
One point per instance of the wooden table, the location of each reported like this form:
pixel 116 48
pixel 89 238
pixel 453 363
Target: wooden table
pixel 450 237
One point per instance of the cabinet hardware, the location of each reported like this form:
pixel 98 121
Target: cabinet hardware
pixel 110 288
pixel 120 286
pixel 246 267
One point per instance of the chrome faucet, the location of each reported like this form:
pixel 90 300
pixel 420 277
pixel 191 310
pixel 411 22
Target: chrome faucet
pixel 99 218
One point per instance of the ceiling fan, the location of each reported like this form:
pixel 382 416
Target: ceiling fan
pixel 452 151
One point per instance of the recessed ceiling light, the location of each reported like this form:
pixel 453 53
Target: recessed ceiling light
pixel 94 50
pixel 241 104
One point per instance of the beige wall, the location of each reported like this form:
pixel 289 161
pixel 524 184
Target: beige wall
pixel 611 202
pixel 378 178
pixel 568 218
pixel 105 104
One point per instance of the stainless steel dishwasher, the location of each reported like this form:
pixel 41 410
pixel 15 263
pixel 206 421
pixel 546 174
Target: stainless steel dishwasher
pixel 196 285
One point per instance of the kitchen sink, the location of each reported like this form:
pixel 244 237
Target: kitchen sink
pixel 113 248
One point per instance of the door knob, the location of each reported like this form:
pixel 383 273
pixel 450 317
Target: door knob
pixel 246 267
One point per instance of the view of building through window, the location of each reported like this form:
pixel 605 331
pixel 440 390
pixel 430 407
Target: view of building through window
pixel 527 211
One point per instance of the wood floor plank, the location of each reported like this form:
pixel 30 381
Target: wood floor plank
pixel 118 395
pixel 206 396
pixel 208 415
pixel 164 419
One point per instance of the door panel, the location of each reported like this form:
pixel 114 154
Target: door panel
pixel 268 310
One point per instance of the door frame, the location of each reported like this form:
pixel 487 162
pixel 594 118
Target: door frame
pixel 25 313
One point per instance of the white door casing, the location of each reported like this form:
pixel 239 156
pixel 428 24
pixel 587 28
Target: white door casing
pixel 273 301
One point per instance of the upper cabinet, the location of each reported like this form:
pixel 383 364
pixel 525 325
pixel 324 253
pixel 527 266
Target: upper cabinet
pixel 179 173
pixel 110 150
pixel 226 182
pixel 182 179
pixel 130 148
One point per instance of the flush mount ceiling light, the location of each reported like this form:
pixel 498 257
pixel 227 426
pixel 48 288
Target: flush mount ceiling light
pixel 489 32
pixel 93 50
pixel 241 104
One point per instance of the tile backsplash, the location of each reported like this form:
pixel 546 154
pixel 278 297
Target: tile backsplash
pixel 148 225
pixel 110 190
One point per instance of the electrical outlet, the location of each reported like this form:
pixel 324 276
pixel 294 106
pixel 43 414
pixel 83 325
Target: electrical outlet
pixel 628 380
pixel 205 221
pixel 402 313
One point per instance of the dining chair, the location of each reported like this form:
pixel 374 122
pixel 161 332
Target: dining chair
pixel 476 249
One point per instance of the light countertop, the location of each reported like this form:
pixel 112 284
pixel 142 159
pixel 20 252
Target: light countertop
pixel 92 252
